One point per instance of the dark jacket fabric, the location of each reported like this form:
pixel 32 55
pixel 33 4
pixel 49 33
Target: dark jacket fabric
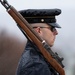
pixel 32 62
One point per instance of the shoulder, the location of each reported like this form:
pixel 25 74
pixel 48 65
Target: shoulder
pixel 33 62
pixel 34 66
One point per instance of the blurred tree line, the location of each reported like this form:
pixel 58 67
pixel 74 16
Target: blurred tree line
pixel 11 49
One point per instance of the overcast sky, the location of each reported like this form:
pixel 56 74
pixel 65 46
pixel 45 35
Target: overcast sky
pixel 66 35
pixel 28 4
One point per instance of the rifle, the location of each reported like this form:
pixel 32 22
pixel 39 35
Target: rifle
pixel 52 58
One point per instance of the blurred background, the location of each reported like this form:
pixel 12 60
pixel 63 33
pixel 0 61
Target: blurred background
pixel 12 41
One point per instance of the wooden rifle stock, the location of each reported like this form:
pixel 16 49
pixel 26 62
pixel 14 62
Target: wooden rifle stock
pixel 34 37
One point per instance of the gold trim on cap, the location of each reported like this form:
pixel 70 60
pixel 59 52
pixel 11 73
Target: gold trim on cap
pixel 41 17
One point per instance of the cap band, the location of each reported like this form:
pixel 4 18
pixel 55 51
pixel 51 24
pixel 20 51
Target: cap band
pixel 41 20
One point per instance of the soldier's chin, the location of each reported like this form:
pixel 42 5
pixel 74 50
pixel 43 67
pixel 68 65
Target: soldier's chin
pixel 51 45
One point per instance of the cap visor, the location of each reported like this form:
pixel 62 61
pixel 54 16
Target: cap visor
pixel 54 24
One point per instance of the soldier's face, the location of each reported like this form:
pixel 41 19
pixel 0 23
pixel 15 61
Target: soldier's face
pixel 48 35
pixel 47 32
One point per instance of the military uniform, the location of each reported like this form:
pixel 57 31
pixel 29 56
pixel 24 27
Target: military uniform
pixel 32 61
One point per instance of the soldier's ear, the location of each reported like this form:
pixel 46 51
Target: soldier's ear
pixel 38 29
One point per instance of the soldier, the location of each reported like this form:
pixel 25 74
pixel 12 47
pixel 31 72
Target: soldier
pixel 43 21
